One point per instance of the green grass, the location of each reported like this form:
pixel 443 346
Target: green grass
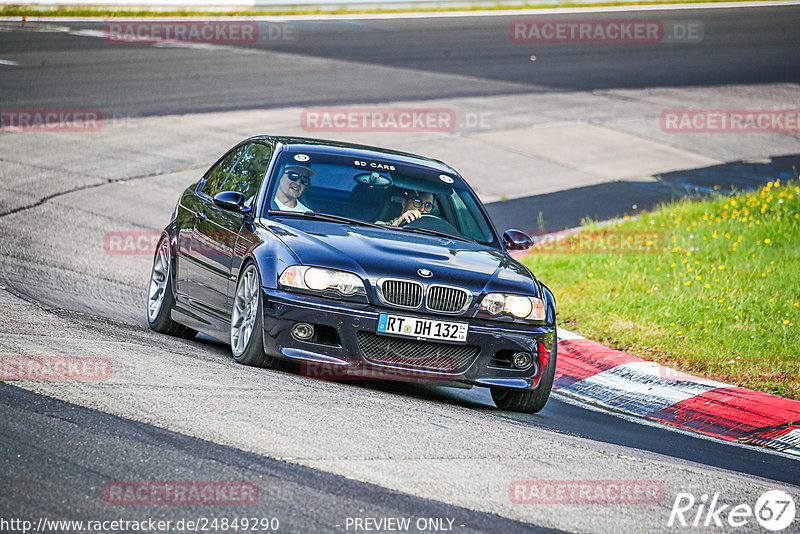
pixel 710 287
pixel 88 11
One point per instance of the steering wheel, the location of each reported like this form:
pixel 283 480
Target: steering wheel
pixel 419 222
pixel 434 223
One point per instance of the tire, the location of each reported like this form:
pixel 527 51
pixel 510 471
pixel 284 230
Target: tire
pixel 529 401
pixel 247 321
pixel 160 299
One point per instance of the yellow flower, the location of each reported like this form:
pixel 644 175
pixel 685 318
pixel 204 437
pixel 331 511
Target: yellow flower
pixel 767 240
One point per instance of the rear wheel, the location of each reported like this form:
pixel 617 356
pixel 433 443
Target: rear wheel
pixel 528 401
pixel 160 300
pixel 247 332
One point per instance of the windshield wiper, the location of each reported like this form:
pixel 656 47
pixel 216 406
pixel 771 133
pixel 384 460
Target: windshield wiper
pixel 434 233
pixel 324 217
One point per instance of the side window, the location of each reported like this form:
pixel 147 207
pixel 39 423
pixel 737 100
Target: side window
pixel 248 173
pixel 216 176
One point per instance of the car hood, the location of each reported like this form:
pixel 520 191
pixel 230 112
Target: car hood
pixel 373 253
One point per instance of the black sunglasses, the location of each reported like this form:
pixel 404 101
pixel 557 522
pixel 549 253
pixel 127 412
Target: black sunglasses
pixel 293 176
pixel 419 204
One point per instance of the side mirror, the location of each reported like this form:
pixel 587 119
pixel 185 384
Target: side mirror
pixel 230 200
pixel 516 240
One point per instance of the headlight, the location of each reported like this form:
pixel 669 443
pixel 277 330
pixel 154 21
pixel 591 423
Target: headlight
pixel 521 307
pixel 322 280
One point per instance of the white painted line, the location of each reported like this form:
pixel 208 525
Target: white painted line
pixel 640 388
pixel 566 335
pixel 790 439
pixel 89 33
pixel 570 399
pixel 8 62
pixel 444 14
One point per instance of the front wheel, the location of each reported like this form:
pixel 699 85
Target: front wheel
pixel 160 300
pixel 247 332
pixel 529 401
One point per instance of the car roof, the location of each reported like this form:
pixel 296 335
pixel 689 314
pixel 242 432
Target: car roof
pixel 353 149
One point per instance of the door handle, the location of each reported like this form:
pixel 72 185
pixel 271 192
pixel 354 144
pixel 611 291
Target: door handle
pixel 201 216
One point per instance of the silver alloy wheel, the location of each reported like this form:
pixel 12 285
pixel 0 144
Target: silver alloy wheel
pixel 245 310
pixel 158 281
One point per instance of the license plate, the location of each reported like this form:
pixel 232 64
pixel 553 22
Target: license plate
pixel 419 328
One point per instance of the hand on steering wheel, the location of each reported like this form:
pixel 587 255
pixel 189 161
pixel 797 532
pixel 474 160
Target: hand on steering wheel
pixel 407 217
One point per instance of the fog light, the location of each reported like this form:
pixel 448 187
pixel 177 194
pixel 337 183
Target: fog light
pixel 522 360
pixel 303 331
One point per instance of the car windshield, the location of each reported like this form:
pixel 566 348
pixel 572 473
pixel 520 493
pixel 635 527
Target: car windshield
pixel 401 197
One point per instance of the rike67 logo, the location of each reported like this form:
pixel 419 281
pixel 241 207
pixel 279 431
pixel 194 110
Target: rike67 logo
pixel 774 510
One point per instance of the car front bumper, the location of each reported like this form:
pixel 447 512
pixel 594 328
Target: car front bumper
pixel 353 322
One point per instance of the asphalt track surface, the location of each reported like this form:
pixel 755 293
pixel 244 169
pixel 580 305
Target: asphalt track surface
pixel 375 60
pixel 303 499
pixel 56 455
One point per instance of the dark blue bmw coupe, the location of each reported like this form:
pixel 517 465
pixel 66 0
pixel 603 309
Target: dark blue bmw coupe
pixel 354 261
